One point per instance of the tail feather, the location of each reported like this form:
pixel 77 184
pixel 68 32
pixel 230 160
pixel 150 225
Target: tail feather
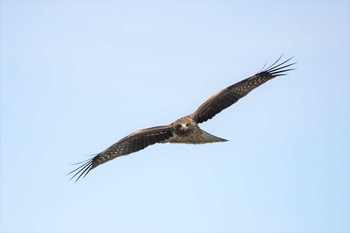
pixel 209 138
pixel 199 137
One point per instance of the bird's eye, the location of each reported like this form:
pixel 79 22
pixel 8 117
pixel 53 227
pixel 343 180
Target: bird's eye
pixel 188 124
pixel 179 126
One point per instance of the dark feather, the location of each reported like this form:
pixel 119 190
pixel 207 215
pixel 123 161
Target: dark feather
pixel 143 138
pixel 233 93
pixel 134 142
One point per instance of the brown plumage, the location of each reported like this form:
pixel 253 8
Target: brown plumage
pixel 186 129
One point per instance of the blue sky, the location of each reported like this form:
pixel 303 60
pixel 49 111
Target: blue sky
pixel 76 76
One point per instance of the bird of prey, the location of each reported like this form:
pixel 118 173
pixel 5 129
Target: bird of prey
pixel 185 129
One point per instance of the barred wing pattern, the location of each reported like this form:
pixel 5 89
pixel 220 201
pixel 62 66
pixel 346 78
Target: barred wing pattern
pixel 143 138
pixel 133 142
pixel 230 95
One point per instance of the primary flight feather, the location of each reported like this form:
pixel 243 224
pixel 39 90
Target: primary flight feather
pixel 185 129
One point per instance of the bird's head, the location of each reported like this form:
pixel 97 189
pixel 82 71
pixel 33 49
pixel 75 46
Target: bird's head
pixel 184 124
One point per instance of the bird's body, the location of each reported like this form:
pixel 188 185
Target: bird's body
pixel 185 130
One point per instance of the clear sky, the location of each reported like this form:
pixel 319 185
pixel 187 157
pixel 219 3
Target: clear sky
pixel 77 76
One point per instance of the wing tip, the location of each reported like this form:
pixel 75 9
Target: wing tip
pixel 82 170
pixel 279 68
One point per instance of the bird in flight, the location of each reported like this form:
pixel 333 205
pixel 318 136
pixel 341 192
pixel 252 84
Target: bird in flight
pixel 186 129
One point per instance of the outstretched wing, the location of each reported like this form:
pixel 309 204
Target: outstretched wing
pixel 133 142
pixel 230 95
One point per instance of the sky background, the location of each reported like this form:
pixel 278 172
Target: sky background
pixel 77 76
